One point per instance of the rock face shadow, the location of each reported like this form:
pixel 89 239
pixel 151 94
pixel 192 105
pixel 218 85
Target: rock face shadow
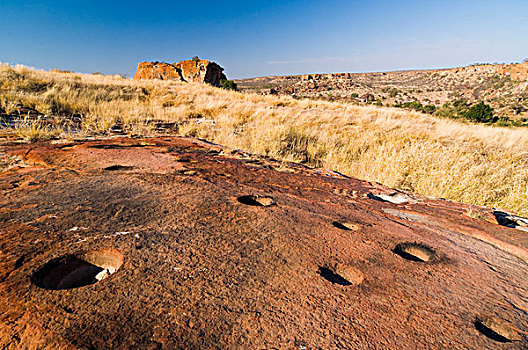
pixel 72 271
pixel 490 333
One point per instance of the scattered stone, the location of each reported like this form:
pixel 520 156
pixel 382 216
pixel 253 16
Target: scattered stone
pixel 350 273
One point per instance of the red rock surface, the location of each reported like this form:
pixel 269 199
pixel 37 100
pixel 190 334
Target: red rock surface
pixel 198 71
pixel 157 70
pixel 203 268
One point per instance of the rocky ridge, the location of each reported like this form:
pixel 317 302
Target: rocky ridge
pixel 504 87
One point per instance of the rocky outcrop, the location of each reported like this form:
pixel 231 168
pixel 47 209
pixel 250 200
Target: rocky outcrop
pixel 198 71
pixel 201 71
pixel 176 243
pixel 516 71
pixel 158 70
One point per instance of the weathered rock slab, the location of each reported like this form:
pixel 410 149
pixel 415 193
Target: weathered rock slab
pixel 128 243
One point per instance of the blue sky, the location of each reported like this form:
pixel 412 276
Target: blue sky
pixel 256 38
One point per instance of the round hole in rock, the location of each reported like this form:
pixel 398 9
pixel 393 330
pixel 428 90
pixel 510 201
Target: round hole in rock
pixel 118 167
pixel 342 274
pixel 396 198
pixel 347 226
pixel 414 251
pixel 496 329
pixel 114 146
pixel 510 220
pixel 74 271
pixel 260 201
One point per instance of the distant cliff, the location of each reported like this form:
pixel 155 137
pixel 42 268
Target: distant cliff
pixel 198 71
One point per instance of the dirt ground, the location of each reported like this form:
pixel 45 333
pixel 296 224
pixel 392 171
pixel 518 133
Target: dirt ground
pixel 166 243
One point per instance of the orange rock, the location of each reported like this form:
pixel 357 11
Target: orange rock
pixel 202 71
pixel 198 71
pixel 157 70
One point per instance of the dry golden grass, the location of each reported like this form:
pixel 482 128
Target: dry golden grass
pixel 475 164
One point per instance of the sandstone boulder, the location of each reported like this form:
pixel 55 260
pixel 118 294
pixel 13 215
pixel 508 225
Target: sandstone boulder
pixel 201 71
pixel 198 71
pixel 158 70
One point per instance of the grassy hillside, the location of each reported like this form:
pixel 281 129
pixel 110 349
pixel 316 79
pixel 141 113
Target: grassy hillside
pixel 445 92
pixel 476 164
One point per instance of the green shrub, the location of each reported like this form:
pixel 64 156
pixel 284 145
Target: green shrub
pixel 446 111
pixel 414 105
pixel 429 109
pixel 228 85
pixel 480 113
pixel 394 92
pixel 417 106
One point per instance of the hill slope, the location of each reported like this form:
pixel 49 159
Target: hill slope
pixel 406 150
pixel 504 87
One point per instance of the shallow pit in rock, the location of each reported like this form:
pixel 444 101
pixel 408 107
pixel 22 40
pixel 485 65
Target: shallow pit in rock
pixel 255 200
pixel 74 271
pixel 344 225
pixel 496 329
pixel 509 220
pixel 342 274
pixel 115 146
pixel 415 252
pixel 396 198
pixel 118 167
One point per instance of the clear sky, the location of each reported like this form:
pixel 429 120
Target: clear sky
pixel 255 38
